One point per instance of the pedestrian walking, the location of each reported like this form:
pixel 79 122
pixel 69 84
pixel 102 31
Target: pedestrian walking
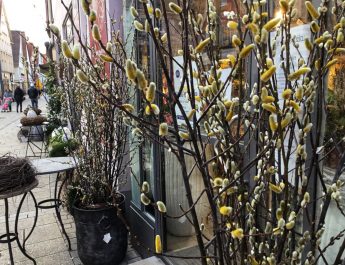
pixel 8 99
pixel 33 95
pixel 18 97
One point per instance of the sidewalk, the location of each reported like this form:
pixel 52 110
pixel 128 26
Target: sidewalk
pixel 46 245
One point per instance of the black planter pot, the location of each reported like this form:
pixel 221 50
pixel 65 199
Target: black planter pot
pixel 92 225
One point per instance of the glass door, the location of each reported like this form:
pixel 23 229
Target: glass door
pixel 146 222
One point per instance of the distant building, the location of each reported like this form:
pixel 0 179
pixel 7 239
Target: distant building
pixel 6 57
pixel 20 55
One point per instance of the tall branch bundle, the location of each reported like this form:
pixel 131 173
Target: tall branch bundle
pixel 258 199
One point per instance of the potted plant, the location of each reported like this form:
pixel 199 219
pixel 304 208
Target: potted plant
pixel 100 140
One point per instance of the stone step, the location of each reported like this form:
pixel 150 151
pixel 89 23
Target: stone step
pixel 149 261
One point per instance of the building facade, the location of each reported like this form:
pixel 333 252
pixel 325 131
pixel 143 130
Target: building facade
pixel 6 57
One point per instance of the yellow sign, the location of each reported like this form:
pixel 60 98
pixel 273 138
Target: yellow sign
pixel 39 84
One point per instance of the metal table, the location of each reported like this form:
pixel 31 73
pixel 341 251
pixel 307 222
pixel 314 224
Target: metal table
pixel 53 165
pixel 10 237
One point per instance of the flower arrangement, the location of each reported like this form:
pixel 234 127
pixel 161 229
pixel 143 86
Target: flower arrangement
pixel 267 140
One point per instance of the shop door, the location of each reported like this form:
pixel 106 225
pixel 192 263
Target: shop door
pixel 146 221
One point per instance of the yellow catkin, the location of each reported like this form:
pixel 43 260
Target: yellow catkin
pixel 232 59
pixel 246 51
pixel 151 92
pixel 184 135
pixel 201 46
pixel 294 104
pixel 229 115
pixel 82 76
pixel 106 58
pixel 264 93
pixel 330 63
pixel 158 244
pixel 109 46
pixel 131 70
pixel 164 38
pixel 158 13
pixel 237 233
pixel 308 44
pixel 268 99
pixel 253 27
pixel 268 73
pixel 236 41
pixel 128 107
pixel 269 107
pixel 163 129
pixel 138 26
pixel 225 210
pixel 299 93
pixel 95 33
pixel 92 16
pixel 161 207
pixel 175 8
pixel 311 10
pixel 290 225
pixel 314 27
pixel 286 121
pixel 307 128
pixel 86 6
pixel 152 109
pixel 191 114
pixel 284 6
pixel 66 50
pixel 299 73
pixel 272 24
pixel 287 93
pixel 275 188
pixel 336 51
pixel 141 80
pixel 272 122
pixel 55 30
pixel 232 25
pixel 134 12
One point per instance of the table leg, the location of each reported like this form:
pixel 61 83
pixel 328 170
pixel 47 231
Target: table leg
pixel 8 232
pixel 57 197
pixel 22 247
pixel 35 220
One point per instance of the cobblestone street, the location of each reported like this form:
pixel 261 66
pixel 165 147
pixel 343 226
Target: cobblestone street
pixel 47 244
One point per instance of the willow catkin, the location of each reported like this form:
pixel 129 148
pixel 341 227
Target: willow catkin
pixel 131 70
pixel 138 26
pixel 95 33
pixel 55 30
pixel 175 8
pixel 201 46
pixel 311 10
pixel 66 49
pixel 163 129
pixel 268 73
pixel 76 51
pixel 82 77
pixel 299 73
pixel 151 92
pixel 246 51
pixel 92 16
pixel 105 58
pixel 272 24
pixel 158 244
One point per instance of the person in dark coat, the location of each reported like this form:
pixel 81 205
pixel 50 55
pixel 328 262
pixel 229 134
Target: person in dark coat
pixel 33 95
pixel 18 97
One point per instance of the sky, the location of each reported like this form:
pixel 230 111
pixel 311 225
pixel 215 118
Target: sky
pixel 28 16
